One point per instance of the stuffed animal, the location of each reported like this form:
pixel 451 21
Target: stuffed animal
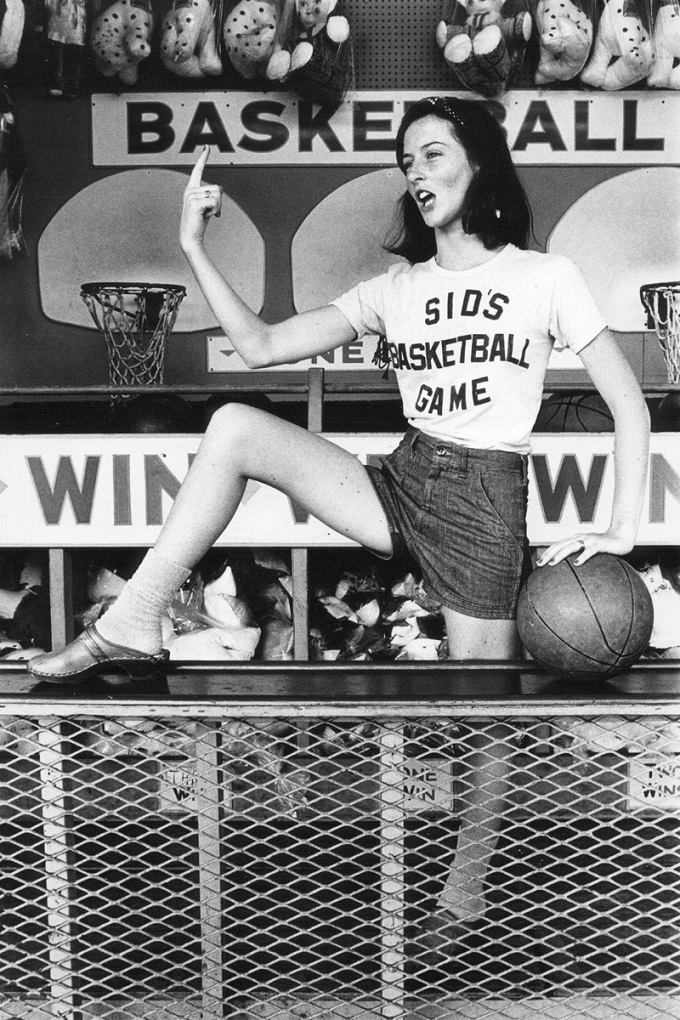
pixel 121 39
pixel 483 48
pixel 12 18
pixel 665 73
pixel 249 32
pixel 303 21
pixel 188 44
pixel 25 609
pixel 665 635
pixel 65 29
pixel 622 54
pixel 565 35
pixel 12 178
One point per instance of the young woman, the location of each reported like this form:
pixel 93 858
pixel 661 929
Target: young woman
pixel 468 321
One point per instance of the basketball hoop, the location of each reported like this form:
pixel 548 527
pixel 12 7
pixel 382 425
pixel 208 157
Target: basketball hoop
pixel 662 304
pixel 135 320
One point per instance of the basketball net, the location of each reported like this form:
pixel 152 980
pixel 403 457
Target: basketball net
pixel 135 320
pixel 662 303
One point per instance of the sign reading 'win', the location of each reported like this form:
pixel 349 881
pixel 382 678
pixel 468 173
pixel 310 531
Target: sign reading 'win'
pixel 81 491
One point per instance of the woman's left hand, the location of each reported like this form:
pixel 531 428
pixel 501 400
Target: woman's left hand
pixel 586 545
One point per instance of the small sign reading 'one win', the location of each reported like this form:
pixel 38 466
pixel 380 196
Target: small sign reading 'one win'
pixel 427 784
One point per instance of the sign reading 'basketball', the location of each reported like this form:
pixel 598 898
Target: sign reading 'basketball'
pixel 171 128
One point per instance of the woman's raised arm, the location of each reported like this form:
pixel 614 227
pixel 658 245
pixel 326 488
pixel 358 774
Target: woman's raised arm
pixel 258 343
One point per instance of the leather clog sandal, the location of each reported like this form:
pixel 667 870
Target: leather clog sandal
pixel 91 654
pixel 437 940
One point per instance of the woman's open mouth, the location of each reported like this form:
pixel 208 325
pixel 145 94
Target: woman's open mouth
pixel 425 199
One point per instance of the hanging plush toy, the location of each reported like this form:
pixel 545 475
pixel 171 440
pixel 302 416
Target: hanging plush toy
pixel 188 44
pixel 12 18
pixel 249 32
pixel 483 41
pixel 565 36
pixel 121 39
pixel 66 31
pixel 665 73
pixel 12 176
pixel 622 54
pixel 312 52
pixel 24 606
pixel 665 635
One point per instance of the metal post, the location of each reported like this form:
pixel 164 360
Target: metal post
pixel 299 561
pixel 392 883
pixel 300 557
pixel 208 813
pixel 61 597
pixel 57 854
pixel 315 380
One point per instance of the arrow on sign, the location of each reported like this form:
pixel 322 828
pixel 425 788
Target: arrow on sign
pixel 251 488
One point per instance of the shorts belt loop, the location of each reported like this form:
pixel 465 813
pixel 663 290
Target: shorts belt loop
pixel 413 440
pixel 463 458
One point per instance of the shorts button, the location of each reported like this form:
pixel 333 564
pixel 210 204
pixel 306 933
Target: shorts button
pixel 441 450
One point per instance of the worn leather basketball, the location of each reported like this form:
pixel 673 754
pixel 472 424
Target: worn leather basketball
pixel 589 620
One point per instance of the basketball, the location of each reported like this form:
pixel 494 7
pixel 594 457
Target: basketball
pixel 666 417
pixel 585 621
pixel 574 412
pixel 162 412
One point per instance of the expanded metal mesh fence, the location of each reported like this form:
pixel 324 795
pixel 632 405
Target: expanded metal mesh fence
pixel 354 867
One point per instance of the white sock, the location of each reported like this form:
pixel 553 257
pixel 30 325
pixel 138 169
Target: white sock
pixel 463 894
pixel 134 619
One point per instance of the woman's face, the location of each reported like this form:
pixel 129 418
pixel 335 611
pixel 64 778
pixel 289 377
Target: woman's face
pixel 438 171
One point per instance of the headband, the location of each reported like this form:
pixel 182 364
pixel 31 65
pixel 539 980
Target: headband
pixel 443 103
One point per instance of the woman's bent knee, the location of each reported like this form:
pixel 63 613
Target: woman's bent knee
pixel 234 422
pixel 251 439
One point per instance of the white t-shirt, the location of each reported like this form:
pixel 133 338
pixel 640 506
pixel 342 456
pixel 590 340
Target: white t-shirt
pixel 470 349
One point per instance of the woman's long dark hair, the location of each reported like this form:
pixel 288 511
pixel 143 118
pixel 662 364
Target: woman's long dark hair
pixel 496 208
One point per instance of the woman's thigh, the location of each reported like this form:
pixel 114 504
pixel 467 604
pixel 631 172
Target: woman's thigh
pixel 330 483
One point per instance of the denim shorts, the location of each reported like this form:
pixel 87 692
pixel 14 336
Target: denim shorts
pixel 461 514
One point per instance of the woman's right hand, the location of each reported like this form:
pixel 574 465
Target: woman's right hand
pixel 201 201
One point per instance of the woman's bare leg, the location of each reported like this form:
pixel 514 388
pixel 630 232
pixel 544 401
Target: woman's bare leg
pixel 240 443
pixel 487 759
pixel 243 442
